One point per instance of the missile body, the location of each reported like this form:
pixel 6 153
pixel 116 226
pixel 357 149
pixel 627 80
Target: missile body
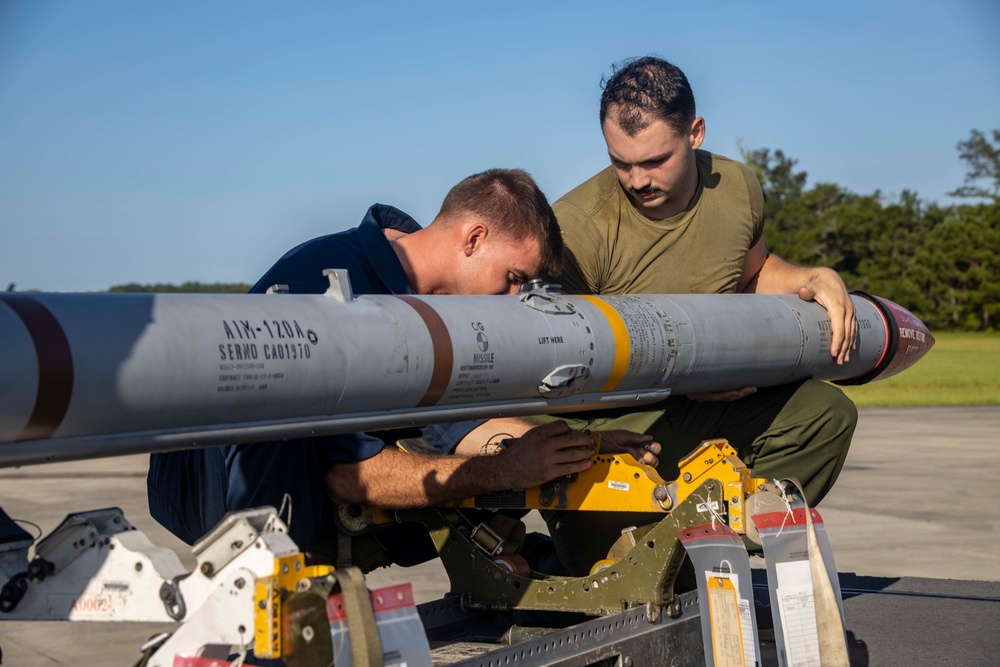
pixel 92 375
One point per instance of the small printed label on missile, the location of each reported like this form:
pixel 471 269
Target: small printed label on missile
pixel 705 507
pixel 273 329
pixel 618 486
pixel 550 340
pixel 252 343
pixel 245 366
pixel 648 331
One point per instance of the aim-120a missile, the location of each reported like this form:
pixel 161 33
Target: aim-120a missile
pixel 94 375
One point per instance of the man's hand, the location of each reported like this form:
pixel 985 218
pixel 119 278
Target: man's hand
pixel 764 273
pixel 826 288
pixel 544 453
pixel 642 447
pixel 395 479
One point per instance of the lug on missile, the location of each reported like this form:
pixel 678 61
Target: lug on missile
pixel 92 375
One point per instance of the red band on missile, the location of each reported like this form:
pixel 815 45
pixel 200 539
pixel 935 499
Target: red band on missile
pixel 55 366
pixel 888 350
pixel 444 356
pixel 907 340
pixel 910 339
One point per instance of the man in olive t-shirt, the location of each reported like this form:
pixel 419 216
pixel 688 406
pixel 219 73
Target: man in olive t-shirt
pixel 615 248
pixel 669 218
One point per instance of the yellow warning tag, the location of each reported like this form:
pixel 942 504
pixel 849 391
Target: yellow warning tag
pixel 727 631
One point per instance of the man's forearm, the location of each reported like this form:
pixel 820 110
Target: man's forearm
pixel 776 276
pixel 394 479
pixel 399 480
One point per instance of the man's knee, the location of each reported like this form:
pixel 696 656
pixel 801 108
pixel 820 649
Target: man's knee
pixel 808 440
pixel 837 416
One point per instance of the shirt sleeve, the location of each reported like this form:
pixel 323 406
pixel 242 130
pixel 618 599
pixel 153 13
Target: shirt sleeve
pixel 756 197
pixel 582 271
pixel 445 437
pixel 442 437
pixel 347 448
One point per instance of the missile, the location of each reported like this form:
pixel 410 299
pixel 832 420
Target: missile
pixel 94 375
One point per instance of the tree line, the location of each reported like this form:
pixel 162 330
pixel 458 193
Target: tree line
pixel 185 288
pixel 940 262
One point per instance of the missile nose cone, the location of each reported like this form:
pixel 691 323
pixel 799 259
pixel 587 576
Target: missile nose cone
pixel 909 339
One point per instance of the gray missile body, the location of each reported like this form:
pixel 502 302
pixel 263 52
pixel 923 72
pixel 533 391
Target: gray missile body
pixel 92 375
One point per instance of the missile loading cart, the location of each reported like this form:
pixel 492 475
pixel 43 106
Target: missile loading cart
pixel 890 620
pixel 252 590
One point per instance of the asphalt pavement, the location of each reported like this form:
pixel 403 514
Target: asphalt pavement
pixel 917 498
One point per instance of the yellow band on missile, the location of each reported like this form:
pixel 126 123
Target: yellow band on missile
pixel 623 347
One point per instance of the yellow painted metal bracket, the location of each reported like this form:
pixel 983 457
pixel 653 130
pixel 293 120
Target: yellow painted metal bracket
pixel 270 594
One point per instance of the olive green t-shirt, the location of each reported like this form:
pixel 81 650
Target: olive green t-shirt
pixel 612 248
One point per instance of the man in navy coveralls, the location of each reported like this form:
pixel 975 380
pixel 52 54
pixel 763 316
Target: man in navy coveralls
pixel 495 231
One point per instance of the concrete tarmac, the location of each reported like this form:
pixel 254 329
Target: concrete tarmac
pixel 914 500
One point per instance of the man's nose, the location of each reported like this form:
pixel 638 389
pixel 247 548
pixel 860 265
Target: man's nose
pixel 638 178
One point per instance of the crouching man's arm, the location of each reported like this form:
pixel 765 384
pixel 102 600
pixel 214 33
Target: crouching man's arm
pixel 399 480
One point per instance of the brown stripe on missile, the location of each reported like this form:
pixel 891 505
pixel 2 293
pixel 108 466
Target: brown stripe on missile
pixel 55 366
pixel 444 356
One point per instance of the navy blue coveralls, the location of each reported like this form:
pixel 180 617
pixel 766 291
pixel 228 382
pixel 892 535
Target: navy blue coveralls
pixel 190 491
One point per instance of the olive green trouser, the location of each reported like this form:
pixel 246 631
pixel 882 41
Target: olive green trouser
pixel 801 430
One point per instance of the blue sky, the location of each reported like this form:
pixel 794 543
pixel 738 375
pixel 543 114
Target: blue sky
pixel 166 142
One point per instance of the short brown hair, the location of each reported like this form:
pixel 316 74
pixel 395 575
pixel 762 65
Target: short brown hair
pixel 513 202
pixel 652 86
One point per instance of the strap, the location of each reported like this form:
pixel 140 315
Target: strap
pixel 366 647
pixel 829 624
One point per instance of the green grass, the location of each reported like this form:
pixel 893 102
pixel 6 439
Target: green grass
pixel 961 369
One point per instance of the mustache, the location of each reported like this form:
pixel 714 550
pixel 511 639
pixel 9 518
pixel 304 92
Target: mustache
pixel 649 189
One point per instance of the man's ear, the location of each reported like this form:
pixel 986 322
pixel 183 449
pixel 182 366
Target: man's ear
pixel 475 232
pixel 697 135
